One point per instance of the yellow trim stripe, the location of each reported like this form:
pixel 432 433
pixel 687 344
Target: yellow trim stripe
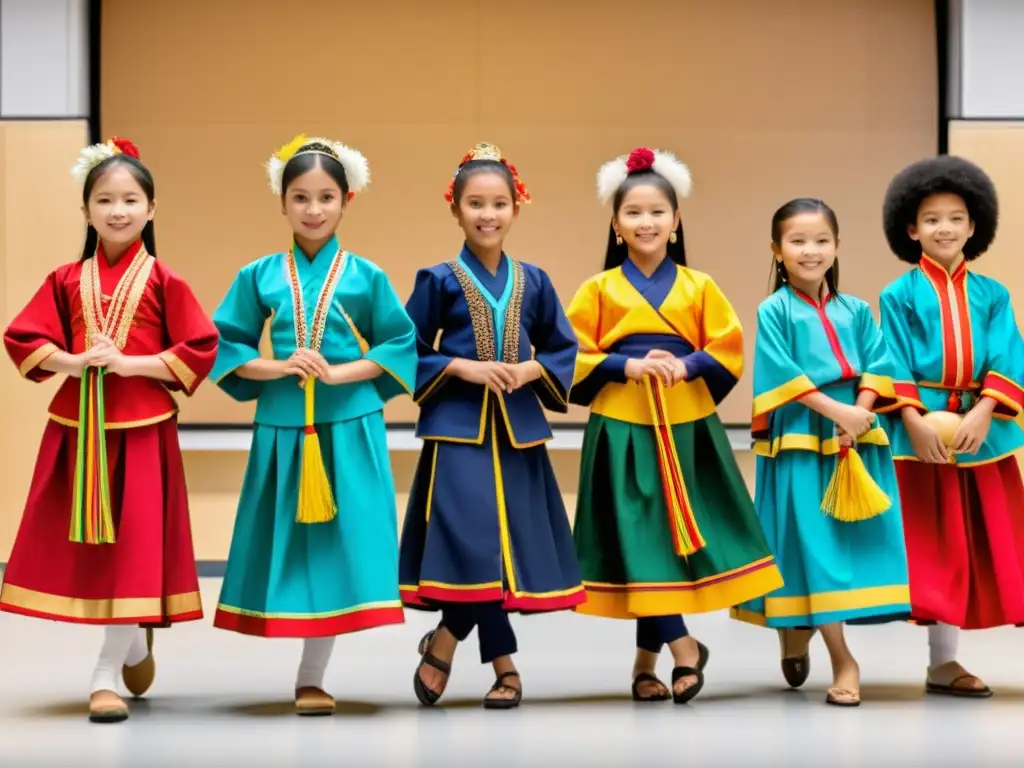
pixel 100 609
pixel 34 359
pixel 814 444
pixel 321 615
pixel 786 393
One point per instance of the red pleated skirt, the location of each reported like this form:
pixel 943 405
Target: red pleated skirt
pixel 148 576
pixel 964 529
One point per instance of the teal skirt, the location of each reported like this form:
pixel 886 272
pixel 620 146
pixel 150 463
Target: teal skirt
pixel 833 571
pixel 291 579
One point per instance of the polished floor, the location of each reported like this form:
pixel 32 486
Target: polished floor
pixel 224 699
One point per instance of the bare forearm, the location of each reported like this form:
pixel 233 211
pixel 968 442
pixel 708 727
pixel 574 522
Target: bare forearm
pixel 866 399
pixel 261 369
pixel 358 370
pixel 821 403
pixel 62 362
pixel 147 366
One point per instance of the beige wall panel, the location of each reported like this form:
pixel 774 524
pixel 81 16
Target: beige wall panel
pixel 41 227
pixel 764 101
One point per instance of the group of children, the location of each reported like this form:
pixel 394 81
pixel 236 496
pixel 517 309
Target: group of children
pixel 887 487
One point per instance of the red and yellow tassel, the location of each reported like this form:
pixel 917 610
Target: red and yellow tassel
pixel 852 494
pixel 316 500
pixel 686 536
pixel 92 519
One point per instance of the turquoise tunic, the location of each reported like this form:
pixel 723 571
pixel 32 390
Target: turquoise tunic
pixel 954 338
pixel 833 570
pixel 291 579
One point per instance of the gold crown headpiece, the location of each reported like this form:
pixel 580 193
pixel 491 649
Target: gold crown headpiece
pixel 486 151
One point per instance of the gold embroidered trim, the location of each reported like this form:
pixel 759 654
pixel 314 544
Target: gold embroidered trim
pixel 364 346
pixel 183 373
pixel 483 319
pixel 116 322
pixel 118 424
pixel 323 302
pixel 42 352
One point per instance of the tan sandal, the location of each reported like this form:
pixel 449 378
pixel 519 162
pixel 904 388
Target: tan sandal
pixel 956 687
pixel 843 697
pixel 313 702
pixel 107 707
pixel 139 678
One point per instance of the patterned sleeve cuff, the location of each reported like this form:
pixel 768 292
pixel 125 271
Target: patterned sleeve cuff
pixel 1008 395
pixel 29 367
pixel 185 375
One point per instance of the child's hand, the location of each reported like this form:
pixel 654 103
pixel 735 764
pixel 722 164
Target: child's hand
pixel 679 372
pixel 854 420
pixel 928 446
pixel 973 430
pixel 637 368
pixel 497 377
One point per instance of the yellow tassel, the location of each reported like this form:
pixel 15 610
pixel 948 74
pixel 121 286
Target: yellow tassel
pixel 852 494
pixel 316 501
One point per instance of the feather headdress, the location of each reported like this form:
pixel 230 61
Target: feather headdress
pixel 357 170
pixel 665 164
pixel 95 154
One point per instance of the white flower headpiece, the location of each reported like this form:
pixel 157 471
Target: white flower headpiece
pixel 665 164
pixel 95 154
pixel 357 170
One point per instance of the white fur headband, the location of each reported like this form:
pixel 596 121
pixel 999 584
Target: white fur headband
pixel 614 172
pixel 357 170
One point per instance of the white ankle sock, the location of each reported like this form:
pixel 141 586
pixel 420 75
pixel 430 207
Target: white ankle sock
pixel 116 644
pixel 942 644
pixel 316 653
pixel 139 649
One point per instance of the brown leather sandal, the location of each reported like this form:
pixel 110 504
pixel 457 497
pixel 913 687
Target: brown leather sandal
pixel 107 707
pixel 313 702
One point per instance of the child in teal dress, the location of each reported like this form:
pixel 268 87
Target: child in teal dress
pixel 315 547
pixel 821 371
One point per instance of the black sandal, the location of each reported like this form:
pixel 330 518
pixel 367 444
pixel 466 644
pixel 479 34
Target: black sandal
pixel 796 669
pixel 499 683
pixel 647 677
pixel 680 672
pixel 427 696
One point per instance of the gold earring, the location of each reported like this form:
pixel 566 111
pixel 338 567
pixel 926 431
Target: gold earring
pixel 618 239
pixel 672 237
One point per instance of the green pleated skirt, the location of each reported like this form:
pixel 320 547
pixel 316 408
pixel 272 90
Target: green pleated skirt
pixel 623 534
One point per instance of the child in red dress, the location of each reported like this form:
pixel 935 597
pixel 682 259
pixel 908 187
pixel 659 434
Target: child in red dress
pixel 105 537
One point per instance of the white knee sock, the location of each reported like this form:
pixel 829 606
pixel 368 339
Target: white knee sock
pixel 942 644
pixel 316 653
pixel 116 644
pixel 139 649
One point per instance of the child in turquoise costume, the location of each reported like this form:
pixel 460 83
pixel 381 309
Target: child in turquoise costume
pixel 315 547
pixel 822 370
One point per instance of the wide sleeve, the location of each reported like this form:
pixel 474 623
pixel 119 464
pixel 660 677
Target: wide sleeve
pixel 239 321
pixel 594 367
pixel 41 328
pixel 191 333
pixel 896 330
pixel 876 362
pixel 778 378
pixel 425 308
pixel 719 361
pixel 392 341
pixel 555 346
pixel 1005 373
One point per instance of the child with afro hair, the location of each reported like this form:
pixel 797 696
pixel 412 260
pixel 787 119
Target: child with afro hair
pixel 960 366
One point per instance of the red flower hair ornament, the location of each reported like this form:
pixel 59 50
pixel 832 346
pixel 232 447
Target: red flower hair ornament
pixel 613 173
pixel 93 155
pixel 489 152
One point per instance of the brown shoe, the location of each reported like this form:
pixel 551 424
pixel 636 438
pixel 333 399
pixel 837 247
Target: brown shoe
pixel 310 701
pixel 139 678
pixel 107 707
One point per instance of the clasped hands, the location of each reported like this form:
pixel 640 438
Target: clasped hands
pixel 498 377
pixel 659 363
pixel 102 354
pixel 308 363
pixel 968 438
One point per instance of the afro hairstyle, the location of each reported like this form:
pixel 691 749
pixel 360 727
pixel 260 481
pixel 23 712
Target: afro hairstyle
pixel 935 175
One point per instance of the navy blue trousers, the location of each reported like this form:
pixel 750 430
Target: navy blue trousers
pixel 493 628
pixel 653 632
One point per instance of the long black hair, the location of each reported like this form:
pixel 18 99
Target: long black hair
pixel 305 161
pixel 144 178
pixel 616 253
pixel 794 208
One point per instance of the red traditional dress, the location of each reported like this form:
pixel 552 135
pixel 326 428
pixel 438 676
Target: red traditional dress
pixel 148 575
